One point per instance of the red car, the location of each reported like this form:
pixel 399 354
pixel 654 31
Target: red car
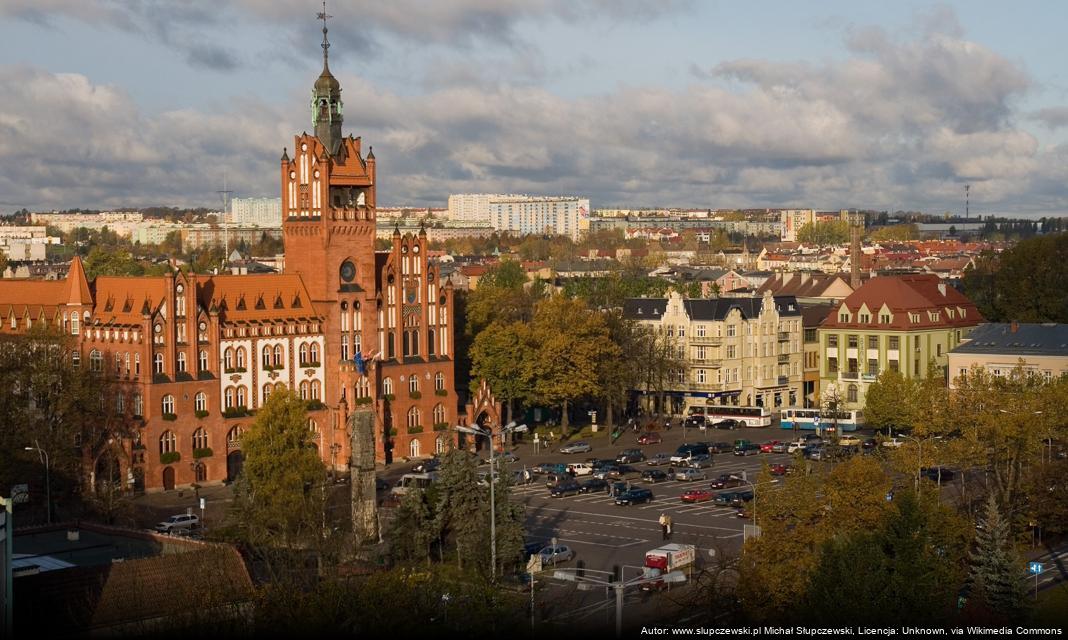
pixel 650 437
pixel 744 513
pixel 767 446
pixel 697 495
pixel 780 469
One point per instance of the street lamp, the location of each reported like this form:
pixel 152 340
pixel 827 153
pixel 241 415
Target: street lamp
pixel 619 586
pixel 48 478
pixel 488 433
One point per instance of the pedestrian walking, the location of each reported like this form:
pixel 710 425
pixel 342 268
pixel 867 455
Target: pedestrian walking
pixel 664 526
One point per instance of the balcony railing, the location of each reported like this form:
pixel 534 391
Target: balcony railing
pixel 869 377
pixel 850 375
pixel 713 340
pixel 784 358
pixel 784 336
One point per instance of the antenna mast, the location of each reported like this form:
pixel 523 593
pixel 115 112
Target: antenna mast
pixel 967 200
pixel 225 194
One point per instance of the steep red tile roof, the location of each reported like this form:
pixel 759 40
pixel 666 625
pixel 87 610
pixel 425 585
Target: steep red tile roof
pixel 124 300
pixel 902 295
pixel 260 297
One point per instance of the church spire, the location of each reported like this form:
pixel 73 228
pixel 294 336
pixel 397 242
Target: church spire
pixel 326 98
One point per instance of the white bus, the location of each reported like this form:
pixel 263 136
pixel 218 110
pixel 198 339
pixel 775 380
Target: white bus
pixel 751 416
pixel 416 480
pixel 805 419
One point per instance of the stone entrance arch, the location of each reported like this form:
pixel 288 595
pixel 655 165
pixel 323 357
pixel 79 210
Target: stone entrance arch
pixel 168 478
pixel 485 411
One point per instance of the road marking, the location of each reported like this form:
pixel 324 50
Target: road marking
pixel 587 513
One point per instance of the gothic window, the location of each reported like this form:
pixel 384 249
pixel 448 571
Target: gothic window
pixel 203 360
pixel 316 390
pixel 138 405
pixel 279 355
pixel 413 417
pixel 413 449
pixel 303 353
pixel 266 356
pixel 851 393
pixel 200 439
pixel 228 398
pixel 159 363
pixel 200 402
pixel 241 397
pixel 439 413
pixel 387 386
pixel 413 384
pixel 181 361
pixel 315 352
pixel 439 382
pixel 304 389
pixel 167 442
pixel 228 359
pixel 233 437
pixel 266 391
pixel 75 359
pixel 168 404
pixel 137 364
pixel 96 361
pixel 240 357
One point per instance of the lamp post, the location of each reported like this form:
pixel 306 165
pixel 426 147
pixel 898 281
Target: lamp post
pixel 41 453
pixel 619 586
pixel 488 433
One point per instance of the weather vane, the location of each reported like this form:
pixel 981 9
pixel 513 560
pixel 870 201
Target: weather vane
pixel 322 15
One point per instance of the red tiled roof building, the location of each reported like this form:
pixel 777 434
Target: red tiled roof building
pixel 199 353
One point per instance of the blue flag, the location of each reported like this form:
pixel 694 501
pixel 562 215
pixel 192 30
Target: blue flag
pixel 361 365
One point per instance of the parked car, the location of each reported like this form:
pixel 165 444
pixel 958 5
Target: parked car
pixel 555 555
pixel 620 471
pixel 778 447
pixel 618 488
pixel 893 443
pixel 553 479
pixel 580 469
pixel 768 446
pixel 730 424
pixel 594 485
pixel 427 466
pixel 600 463
pixel 178 524
pixel 700 461
pixel 869 444
pixel 503 458
pixel 697 495
pixel 696 421
pixel 726 498
pixel 741 497
pixel 531 548
pixel 781 469
pixel 659 459
pixel 849 439
pixel 747 450
pixel 636 495
pixel 814 452
pixel 650 437
pixel 744 513
pixel 688 475
pixel 687 451
pixel 813 436
pixel 795 446
pixel 720 447
pixel 549 467
pixel 381 485
pixel 567 488
pixel 576 447
pixel 628 456
pixel 654 475
pixel 937 474
pixel 727 481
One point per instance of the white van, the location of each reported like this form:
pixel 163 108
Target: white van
pixel 580 469
pixel 409 480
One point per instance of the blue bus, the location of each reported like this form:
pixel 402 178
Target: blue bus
pixel 805 419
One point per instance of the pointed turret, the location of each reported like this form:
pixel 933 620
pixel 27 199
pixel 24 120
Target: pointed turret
pixel 326 103
pixel 285 154
pixel 77 284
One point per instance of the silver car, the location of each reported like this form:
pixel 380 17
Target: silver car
pixel 688 475
pixel 659 459
pixel 576 447
pixel 555 555
pixel 700 461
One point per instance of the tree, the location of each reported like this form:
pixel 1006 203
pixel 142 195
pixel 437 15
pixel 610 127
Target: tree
pixel 891 402
pixel 278 498
pixel 412 530
pixel 1023 283
pixel 896 233
pixel 104 262
pixel 824 233
pixel 3 262
pixel 459 509
pixel 500 296
pixel 995 569
pixel 567 341
pixel 497 354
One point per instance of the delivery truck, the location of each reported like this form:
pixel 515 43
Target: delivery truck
pixel 665 559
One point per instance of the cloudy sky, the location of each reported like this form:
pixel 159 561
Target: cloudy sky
pixel 850 103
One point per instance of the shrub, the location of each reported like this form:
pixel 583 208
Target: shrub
pixel 170 417
pixel 393 431
pixel 315 405
pixel 415 429
pixel 359 402
pixel 201 413
pixel 441 392
pixel 441 426
pixel 389 397
pixel 236 412
pixel 206 452
pixel 415 395
pixel 170 457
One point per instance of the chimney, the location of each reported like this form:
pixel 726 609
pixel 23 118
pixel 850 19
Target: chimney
pixel 1014 326
pixel 854 253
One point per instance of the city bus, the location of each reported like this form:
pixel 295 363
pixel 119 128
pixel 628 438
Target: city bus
pixel 751 416
pixel 804 419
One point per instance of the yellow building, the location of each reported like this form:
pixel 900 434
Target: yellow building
pixel 894 322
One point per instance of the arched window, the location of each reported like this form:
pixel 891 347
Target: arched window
pixel 233 437
pixel 75 359
pixel 439 413
pixel 440 444
pixel 303 353
pixel 181 361
pixel 316 390
pixel 851 393
pixel 228 398
pixel 313 426
pixel 241 399
pixel 159 362
pixel 167 442
pixel 413 384
pixel 200 401
pixel 200 439
pixel 137 364
pixel 240 357
pixel 168 404
pixel 228 358
pixel 387 386
pixel 203 360
pixel 413 417
pixel 266 391
pixel 266 356
pixel 279 355
pixel 413 449
pixel 96 361
pixel 315 352
pixel 138 405
pixel 304 387
pixel 439 381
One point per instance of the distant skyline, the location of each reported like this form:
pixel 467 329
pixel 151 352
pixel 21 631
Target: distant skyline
pixel 106 103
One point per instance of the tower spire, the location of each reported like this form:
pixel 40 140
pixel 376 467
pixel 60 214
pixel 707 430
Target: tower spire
pixel 322 15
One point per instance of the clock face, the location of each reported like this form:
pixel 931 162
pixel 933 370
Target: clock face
pixel 159 328
pixel 348 271
pixel 415 249
pixel 203 325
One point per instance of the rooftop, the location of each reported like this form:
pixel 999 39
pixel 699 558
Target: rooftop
pixel 1048 339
